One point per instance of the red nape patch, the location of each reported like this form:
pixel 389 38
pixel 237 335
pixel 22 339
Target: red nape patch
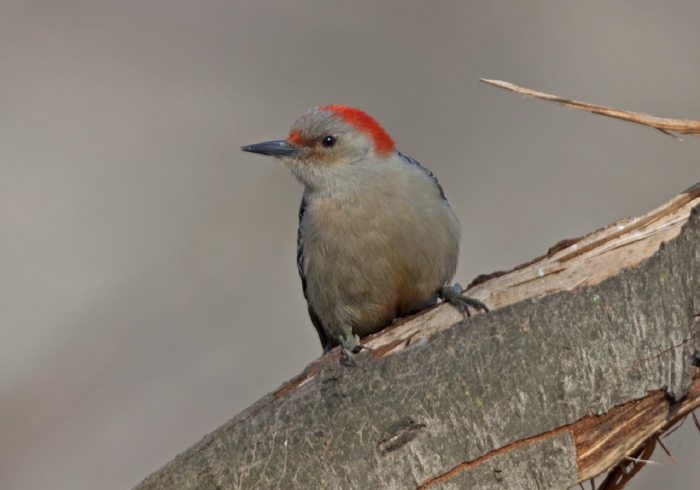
pixel 364 122
pixel 295 138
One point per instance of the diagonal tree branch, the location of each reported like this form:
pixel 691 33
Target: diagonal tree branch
pixel 590 351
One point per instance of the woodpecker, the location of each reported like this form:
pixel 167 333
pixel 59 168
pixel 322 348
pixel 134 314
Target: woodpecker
pixel 377 238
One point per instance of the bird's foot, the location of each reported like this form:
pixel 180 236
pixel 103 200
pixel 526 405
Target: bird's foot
pixel 350 344
pixel 454 296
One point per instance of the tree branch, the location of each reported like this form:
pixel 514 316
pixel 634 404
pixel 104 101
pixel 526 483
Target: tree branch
pixel 661 123
pixel 589 351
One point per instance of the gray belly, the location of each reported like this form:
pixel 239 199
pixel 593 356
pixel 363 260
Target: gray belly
pixel 364 278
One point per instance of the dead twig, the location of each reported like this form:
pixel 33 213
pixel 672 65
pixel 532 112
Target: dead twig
pixel 661 123
pixel 668 453
pixel 623 473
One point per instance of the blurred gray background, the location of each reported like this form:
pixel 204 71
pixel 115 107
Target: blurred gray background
pixel 149 289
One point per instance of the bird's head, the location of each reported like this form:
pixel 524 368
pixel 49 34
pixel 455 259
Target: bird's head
pixel 331 148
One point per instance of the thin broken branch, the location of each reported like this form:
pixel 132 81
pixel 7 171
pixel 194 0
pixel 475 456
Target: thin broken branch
pixel 663 124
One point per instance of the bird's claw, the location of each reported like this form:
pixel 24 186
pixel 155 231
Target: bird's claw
pixel 346 358
pixel 350 344
pixel 454 296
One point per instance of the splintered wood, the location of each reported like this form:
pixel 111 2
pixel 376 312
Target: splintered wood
pixel 601 442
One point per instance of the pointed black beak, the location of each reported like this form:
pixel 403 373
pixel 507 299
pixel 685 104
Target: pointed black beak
pixel 273 148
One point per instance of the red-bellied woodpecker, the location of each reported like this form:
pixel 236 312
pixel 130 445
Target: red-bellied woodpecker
pixel 377 238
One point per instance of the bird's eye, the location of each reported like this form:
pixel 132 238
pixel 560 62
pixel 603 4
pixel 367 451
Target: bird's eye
pixel 328 141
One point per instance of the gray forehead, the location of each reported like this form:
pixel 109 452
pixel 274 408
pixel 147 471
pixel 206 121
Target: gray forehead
pixel 316 123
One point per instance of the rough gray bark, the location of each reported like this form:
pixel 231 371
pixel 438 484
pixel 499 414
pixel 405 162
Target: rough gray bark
pixel 485 403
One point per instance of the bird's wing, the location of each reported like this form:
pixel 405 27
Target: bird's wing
pixel 412 161
pixel 326 342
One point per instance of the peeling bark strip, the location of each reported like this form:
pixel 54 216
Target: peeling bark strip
pixel 587 352
pixel 603 441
